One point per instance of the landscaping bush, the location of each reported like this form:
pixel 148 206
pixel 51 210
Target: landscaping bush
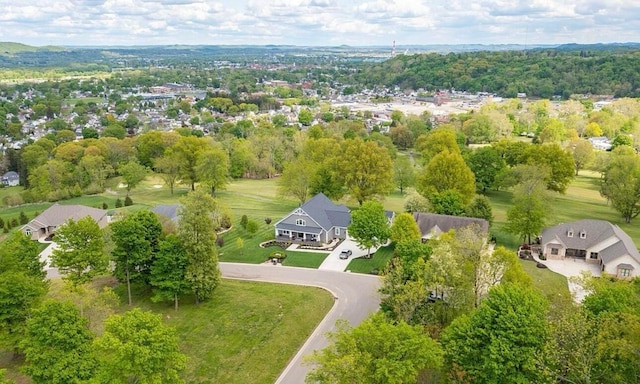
pixel 105 206
pixel 23 218
pixel 14 222
pixel 279 255
pixel 5 229
pixel 225 220
pixel 267 220
pixel 118 203
pixel 220 241
pixel 244 221
pixel 128 201
pixel 252 227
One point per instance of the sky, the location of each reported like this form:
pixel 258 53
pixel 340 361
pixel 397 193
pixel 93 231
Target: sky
pixel 318 22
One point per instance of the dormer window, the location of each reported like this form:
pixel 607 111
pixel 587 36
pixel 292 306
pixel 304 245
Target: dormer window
pixel 300 222
pixel 570 233
pixel 583 235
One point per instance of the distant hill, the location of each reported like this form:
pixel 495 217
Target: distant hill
pixel 8 48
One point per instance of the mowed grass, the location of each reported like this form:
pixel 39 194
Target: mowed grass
pixel 552 285
pixel 245 334
pixel 375 264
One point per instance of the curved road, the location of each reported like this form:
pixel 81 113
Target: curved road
pixel 356 298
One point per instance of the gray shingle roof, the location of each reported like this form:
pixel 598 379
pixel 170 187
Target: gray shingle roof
pixel 11 175
pixel 595 232
pixel 58 214
pixel 427 222
pixel 326 212
pixel 170 211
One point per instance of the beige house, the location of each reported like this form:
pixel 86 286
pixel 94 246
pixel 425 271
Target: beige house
pixel 595 241
pixel 432 225
pixel 46 223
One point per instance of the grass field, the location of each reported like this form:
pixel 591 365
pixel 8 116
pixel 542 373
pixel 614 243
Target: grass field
pixel 246 334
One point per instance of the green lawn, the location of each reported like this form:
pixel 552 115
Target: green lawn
pixel 246 334
pixel 550 284
pixel 377 263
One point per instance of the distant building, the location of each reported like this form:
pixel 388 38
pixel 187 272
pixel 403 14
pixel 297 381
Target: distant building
pixel 10 179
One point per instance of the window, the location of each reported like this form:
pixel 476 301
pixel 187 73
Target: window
pixel 337 231
pixel 624 272
pixel 583 235
pixel 300 222
pixel 285 232
pixel 593 255
pixel 554 251
pixel 570 233
pixel 28 231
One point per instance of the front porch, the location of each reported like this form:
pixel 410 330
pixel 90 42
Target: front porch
pixel 299 237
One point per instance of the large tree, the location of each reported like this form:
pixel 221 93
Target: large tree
pixel 404 228
pixel 212 168
pixel 369 226
pixel 196 230
pixel 527 214
pixel 20 253
pixel 80 254
pixel 403 173
pixel 132 251
pixel 583 154
pixel 447 171
pixel 137 348
pixel 57 345
pixel 501 341
pixel 169 168
pixel 187 149
pixel 366 169
pixel 485 163
pixel 376 351
pixel 168 272
pixel 297 178
pixel 132 174
pixel 621 184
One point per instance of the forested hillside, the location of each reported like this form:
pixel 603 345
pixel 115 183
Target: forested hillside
pixel 542 73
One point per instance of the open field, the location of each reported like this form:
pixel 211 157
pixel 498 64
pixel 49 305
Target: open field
pixel 246 334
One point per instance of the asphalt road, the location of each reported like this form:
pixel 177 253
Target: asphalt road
pixel 356 297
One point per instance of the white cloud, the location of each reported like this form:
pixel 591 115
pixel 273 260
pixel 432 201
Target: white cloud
pixel 317 22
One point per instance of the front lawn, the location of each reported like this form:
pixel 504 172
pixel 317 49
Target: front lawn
pixel 552 285
pixel 376 263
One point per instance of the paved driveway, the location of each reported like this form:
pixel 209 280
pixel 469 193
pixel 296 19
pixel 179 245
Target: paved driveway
pixel 333 262
pixel 572 268
pixel 356 297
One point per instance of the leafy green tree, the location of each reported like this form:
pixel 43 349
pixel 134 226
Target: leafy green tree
pixel 449 202
pixel 187 150
pixel 114 130
pixel 621 184
pixel 480 207
pixel 169 168
pixel 196 231
pixel 305 117
pixel 501 340
pixel 168 272
pixel 296 179
pixel 212 168
pixel 447 171
pixel 435 142
pixel 557 160
pixel 57 345
pixel 132 174
pixel 20 253
pixel 404 228
pixel 376 351
pixel 132 251
pixel 485 163
pixel 417 203
pixel 366 169
pixel 583 154
pixel 137 348
pixel 369 226
pixel 527 214
pixel 403 173
pixel 620 140
pixel 19 294
pixel 80 254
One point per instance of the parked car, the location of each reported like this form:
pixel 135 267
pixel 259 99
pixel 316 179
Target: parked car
pixel 345 254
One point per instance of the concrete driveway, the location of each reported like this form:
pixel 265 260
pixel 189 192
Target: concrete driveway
pixel 572 268
pixel 333 262
pixel 356 297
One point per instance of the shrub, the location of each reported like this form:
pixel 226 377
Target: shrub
pixel 118 203
pixel 220 241
pixel 252 227
pixel 267 220
pixel 225 220
pixel 13 200
pixel 14 222
pixel 128 201
pixel 280 255
pixel 23 218
pixel 1 223
pixel 244 221
pixel 93 189
pixel 105 206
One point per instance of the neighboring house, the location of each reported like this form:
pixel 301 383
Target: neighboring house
pixel 595 241
pixel 10 179
pixel 46 223
pixel 317 220
pixel 170 211
pixel 432 225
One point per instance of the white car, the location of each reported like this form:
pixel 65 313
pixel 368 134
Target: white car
pixel 345 254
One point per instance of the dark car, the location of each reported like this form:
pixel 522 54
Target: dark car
pixel 345 254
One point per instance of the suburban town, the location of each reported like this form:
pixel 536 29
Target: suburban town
pixel 376 210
